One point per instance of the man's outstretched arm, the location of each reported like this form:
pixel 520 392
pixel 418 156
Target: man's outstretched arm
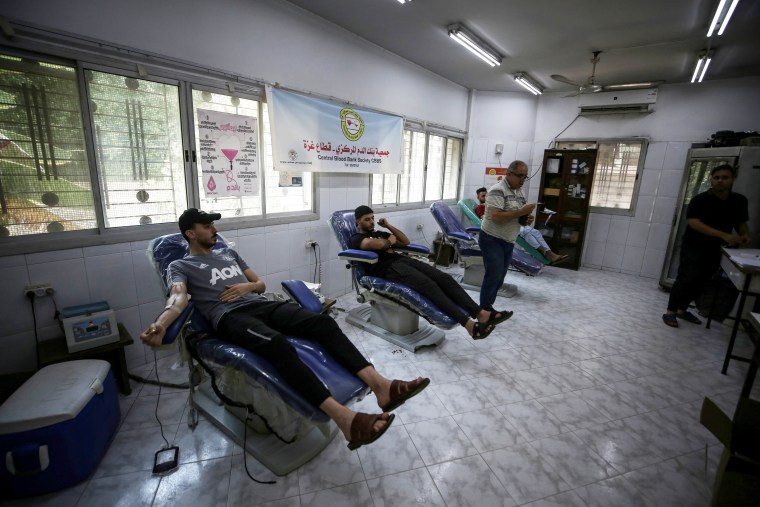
pixel 175 305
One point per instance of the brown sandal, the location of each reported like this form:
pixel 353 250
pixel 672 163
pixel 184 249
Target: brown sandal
pixel 401 391
pixel 363 428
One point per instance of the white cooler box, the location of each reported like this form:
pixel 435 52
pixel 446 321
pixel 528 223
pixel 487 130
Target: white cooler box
pixel 55 429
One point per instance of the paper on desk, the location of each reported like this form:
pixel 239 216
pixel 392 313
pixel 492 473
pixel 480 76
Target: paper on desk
pixel 745 257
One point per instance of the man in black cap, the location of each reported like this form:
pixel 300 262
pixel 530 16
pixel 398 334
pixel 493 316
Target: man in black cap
pixel 228 293
pixel 435 285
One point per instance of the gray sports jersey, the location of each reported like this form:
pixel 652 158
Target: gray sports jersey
pixel 207 276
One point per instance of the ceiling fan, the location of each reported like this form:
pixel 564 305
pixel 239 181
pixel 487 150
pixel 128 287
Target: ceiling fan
pixel 590 86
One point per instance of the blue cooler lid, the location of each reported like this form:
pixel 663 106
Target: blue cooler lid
pixel 56 393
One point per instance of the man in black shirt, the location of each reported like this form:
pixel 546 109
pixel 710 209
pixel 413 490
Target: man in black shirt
pixel 435 285
pixel 712 217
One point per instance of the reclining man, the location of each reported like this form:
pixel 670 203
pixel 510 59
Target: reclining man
pixel 228 293
pixel 532 236
pixel 435 285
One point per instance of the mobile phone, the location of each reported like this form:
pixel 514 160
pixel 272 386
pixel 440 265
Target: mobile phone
pixel 166 460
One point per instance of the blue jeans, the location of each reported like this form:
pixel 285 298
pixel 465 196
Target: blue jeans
pixel 497 254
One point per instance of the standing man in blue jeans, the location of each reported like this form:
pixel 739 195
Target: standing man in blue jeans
pixel 505 204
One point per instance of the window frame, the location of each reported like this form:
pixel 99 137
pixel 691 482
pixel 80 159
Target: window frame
pixel 163 71
pixel 425 202
pixel 644 141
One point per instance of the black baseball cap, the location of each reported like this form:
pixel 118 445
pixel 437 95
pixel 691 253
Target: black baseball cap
pixel 195 216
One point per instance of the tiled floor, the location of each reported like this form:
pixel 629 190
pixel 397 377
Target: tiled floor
pixel 583 398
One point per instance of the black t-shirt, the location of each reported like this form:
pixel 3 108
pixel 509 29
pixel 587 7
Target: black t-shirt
pixel 720 214
pixel 384 259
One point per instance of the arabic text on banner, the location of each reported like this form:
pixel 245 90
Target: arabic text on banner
pixel 316 135
pixel 229 153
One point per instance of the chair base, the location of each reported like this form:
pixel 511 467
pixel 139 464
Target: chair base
pixel 507 290
pixel 425 336
pixel 277 456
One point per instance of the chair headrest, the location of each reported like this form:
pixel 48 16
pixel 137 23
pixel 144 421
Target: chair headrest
pixel 343 224
pixel 163 250
pixel 448 222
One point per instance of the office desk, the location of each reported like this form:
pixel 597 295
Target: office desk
pixel 742 266
pixel 56 351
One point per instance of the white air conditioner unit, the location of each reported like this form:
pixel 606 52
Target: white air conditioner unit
pixel 628 101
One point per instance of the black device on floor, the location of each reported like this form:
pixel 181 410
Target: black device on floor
pixel 166 460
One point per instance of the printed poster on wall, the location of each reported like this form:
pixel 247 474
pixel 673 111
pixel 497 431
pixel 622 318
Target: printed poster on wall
pixel 317 135
pixel 494 175
pixel 229 153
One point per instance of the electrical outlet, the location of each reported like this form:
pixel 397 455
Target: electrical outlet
pixel 310 243
pixel 419 227
pixel 39 290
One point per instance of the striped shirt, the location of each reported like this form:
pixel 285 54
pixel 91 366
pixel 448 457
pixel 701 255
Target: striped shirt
pixel 501 197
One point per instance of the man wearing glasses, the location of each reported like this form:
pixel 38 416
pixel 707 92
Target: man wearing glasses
pixel 505 204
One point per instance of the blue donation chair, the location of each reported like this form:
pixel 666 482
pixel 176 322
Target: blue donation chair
pixel 229 384
pixel 468 208
pixel 466 245
pixel 394 308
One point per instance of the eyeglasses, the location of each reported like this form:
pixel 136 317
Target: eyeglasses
pixel 523 176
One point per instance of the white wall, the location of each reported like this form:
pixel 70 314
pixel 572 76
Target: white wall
pixel 684 114
pixel 269 40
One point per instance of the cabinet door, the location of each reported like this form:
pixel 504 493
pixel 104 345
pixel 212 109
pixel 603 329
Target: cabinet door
pixel 564 199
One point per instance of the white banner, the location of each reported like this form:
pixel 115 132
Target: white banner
pixel 310 134
pixel 229 153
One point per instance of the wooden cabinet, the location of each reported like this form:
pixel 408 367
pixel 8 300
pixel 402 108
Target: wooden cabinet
pixel 566 179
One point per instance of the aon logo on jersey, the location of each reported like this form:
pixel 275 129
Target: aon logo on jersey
pixel 225 273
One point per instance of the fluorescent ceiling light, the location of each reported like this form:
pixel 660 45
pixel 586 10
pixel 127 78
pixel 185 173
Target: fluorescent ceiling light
pixel 701 68
pixel 475 45
pixel 404 1
pixel 528 83
pixel 722 16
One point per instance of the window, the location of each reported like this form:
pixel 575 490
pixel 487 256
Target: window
pixel 431 171
pixel 89 150
pixel 138 149
pixel 619 163
pixel 44 171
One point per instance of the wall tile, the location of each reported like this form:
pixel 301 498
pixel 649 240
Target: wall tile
pixel 24 356
pixel 613 256
pixel 675 156
pixel 638 234
pixel 670 184
pixel 659 235
pixel 594 254
pixel 91 251
pixel 664 209
pixel 68 278
pixel 644 208
pixel 649 182
pixel 618 231
pixel 655 156
pixel 111 278
pixel 653 262
pixel 633 259
pixel 598 227
pixel 253 251
pixel 147 282
pixel 10 261
pixel 277 245
pixel 17 311
pixel 53 255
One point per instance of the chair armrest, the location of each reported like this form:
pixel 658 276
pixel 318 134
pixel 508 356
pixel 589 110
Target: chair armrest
pixel 359 255
pixel 301 294
pixel 473 229
pixel 175 328
pixel 414 249
pixel 459 236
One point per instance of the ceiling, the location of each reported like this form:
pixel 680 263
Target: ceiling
pixel 640 40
